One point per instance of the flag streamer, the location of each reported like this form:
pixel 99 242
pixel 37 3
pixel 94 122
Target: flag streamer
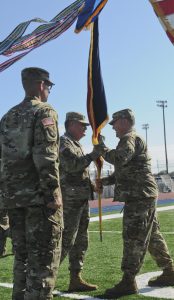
pixel 164 10
pixel 16 42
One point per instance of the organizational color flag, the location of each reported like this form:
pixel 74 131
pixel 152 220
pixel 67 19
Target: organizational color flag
pixel 96 101
pixel 164 10
pixel 96 98
pixel 89 12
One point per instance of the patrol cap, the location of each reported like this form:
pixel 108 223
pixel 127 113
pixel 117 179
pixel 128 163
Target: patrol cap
pixel 35 74
pixel 75 116
pixel 123 114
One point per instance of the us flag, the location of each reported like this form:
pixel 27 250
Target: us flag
pixel 164 10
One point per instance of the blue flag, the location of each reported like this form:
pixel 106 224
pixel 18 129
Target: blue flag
pixel 96 98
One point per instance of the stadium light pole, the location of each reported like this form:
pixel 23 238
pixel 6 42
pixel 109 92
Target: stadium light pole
pixel 163 105
pixel 145 126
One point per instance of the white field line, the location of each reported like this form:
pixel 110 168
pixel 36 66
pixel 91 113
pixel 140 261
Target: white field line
pixel 58 293
pixel 119 232
pixel 74 296
pixel 115 216
pixel 105 231
pixel 144 289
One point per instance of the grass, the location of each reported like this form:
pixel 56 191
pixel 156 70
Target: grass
pixel 103 260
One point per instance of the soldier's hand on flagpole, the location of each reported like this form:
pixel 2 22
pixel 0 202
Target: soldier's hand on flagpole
pixel 100 149
pixel 101 140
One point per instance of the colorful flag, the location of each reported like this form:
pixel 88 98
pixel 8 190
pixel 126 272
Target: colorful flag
pixel 89 12
pixel 96 98
pixel 164 10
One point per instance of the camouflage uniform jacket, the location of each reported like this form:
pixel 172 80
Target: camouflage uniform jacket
pixel 29 143
pixel 74 174
pixel 133 177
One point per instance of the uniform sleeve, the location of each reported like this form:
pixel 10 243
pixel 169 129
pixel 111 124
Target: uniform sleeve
pixel 70 161
pixel 109 180
pixel 109 156
pixel 45 152
pixel 125 151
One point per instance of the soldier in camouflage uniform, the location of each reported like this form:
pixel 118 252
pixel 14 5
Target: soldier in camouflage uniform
pixel 29 143
pixel 76 191
pixel 136 187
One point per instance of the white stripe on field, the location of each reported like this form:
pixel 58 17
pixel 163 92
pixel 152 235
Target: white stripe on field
pixel 105 231
pixel 115 216
pixel 74 296
pixel 58 293
pixel 114 231
pixel 142 281
pixel 7 285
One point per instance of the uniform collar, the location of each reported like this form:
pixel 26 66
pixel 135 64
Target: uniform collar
pixel 67 134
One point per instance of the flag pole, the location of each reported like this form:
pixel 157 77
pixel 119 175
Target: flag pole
pixel 99 164
pixel 100 209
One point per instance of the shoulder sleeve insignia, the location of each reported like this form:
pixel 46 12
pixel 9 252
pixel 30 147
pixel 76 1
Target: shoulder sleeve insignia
pixel 48 121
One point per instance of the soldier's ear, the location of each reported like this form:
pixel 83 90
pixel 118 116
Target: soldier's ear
pixel 41 86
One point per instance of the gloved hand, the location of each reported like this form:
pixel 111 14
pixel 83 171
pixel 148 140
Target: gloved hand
pixel 98 150
pixel 101 140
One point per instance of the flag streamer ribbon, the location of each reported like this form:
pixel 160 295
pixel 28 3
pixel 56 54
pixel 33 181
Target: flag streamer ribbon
pixel 16 42
pixel 164 9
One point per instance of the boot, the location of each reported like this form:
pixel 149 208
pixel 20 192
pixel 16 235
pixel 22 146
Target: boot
pixel 2 242
pixel 77 284
pixel 127 286
pixel 165 279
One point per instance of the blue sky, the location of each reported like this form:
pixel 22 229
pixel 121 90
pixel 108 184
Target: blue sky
pixel 137 61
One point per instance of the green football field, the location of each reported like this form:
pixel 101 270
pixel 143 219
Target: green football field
pixel 102 264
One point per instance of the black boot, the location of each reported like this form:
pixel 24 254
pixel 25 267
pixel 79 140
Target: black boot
pixel 165 279
pixel 127 286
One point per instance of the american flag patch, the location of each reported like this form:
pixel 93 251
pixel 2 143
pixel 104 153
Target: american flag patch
pixel 47 121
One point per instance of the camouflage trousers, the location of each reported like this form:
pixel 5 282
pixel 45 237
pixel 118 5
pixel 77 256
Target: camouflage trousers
pixel 4 230
pixel 36 236
pixel 75 233
pixel 141 232
pixel 3 238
